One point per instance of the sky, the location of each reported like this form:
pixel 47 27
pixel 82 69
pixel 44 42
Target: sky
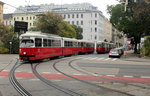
pixel 101 4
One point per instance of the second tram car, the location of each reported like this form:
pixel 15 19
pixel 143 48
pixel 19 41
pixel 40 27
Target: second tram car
pixel 103 47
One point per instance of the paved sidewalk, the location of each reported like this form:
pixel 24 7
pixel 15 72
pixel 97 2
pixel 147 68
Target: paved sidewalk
pixel 135 57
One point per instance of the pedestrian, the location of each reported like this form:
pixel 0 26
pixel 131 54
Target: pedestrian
pixel 125 53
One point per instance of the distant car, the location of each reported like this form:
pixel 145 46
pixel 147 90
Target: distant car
pixel 115 53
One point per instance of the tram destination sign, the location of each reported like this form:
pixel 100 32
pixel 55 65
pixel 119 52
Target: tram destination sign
pixel 20 26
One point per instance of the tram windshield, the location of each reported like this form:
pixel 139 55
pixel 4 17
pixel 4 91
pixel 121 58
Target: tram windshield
pixel 27 43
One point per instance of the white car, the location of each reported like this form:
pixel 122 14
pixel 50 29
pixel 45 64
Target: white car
pixel 115 53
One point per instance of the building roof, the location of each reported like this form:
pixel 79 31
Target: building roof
pixel 7 16
pixel 79 7
pixel 2 2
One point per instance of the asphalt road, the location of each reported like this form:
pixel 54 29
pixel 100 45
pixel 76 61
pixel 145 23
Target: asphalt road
pixel 98 64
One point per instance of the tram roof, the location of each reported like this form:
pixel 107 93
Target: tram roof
pixel 39 34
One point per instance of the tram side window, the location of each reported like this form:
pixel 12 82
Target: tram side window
pixel 70 44
pixel 38 42
pixel 45 43
pixel 49 43
pixel 82 44
pixel 79 44
pixel 75 44
pixel 66 43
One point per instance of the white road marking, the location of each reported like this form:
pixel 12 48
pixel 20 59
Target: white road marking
pixel 145 76
pixel 77 74
pixel 34 79
pixel 46 72
pixel 6 70
pixel 114 59
pixel 111 75
pixel 127 76
pixel 107 59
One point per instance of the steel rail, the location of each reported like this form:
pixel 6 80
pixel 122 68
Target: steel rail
pixel 89 83
pixel 48 82
pixel 22 91
pixel 117 81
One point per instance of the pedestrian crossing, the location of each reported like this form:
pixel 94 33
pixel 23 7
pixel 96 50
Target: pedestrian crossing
pixel 98 58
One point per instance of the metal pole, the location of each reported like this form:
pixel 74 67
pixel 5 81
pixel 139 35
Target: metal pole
pixel 10 46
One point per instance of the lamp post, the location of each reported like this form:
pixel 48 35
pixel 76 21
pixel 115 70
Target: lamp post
pixel 10 46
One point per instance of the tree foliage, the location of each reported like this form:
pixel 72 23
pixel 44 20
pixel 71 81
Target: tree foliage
pixel 53 23
pixel 66 30
pixel 7 35
pixel 134 22
pixel 79 31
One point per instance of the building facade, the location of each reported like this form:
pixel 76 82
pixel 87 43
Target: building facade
pixel 84 15
pixel 107 30
pixel 8 19
pixel 1 12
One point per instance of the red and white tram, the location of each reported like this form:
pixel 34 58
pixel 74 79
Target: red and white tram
pixel 103 47
pixel 85 46
pixel 37 45
pixel 34 46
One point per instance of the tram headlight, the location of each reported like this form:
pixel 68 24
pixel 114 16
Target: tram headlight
pixel 24 53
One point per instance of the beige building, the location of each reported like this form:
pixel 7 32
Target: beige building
pixel 107 30
pixel 1 12
pixel 117 37
pixel 30 18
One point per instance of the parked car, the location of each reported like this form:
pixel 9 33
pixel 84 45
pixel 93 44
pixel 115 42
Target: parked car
pixel 115 53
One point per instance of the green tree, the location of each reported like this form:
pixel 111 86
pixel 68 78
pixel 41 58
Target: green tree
pixel 134 22
pixel 48 23
pixel 79 31
pixel 146 47
pixel 7 36
pixel 53 23
pixel 66 30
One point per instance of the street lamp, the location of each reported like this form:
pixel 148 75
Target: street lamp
pixel 10 46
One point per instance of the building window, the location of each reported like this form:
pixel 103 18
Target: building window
pixel 95 29
pixel 77 15
pixel 95 22
pixel 72 15
pixel 30 24
pixel 95 37
pixel 14 19
pixel 72 22
pixel 22 18
pixel 77 22
pixel 64 16
pixel 81 15
pixel 33 17
pixel 9 22
pixel 30 18
pixel 81 22
pixel 17 18
pixel 26 18
pixel 95 14
pixel 68 16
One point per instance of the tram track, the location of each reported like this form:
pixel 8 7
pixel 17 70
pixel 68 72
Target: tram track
pixel 19 88
pixel 48 82
pixel 84 81
pixel 110 80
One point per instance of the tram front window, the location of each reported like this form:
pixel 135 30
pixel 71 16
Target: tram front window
pixel 27 43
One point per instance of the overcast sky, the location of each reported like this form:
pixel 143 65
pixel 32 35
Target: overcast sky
pixel 101 4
